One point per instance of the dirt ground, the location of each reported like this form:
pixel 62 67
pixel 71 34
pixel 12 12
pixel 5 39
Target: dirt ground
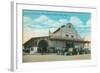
pixel 53 57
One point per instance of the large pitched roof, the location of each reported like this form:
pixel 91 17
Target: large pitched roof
pixel 59 28
pixel 65 29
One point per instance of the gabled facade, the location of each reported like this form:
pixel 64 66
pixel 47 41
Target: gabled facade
pixel 64 37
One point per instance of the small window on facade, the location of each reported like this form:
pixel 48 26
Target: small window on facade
pixel 69 26
pixel 72 36
pixel 66 35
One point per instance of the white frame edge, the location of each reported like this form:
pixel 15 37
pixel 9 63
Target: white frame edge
pixel 13 37
pixel 14 34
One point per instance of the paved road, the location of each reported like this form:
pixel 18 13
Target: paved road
pixel 52 57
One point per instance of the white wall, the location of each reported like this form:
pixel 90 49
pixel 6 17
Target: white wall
pixel 5 40
pixel 57 44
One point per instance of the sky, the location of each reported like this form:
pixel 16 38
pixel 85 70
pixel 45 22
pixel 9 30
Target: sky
pixel 39 23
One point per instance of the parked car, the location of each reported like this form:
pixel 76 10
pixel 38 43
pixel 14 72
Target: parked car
pixel 26 50
pixel 86 51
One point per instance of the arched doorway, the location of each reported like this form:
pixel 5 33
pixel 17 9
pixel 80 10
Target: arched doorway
pixel 42 46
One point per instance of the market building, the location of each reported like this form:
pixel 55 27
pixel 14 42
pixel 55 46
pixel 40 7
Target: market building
pixel 64 37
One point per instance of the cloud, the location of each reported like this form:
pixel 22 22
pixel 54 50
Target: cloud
pixel 88 23
pixel 83 28
pixel 63 21
pixel 42 22
pixel 41 25
pixel 27 34
pixel 42 19
pixel 75 20
pixel 27 20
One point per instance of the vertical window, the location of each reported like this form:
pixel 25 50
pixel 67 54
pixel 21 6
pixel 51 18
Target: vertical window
pixel 67 35
pixel 72 36
pixel 69 26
